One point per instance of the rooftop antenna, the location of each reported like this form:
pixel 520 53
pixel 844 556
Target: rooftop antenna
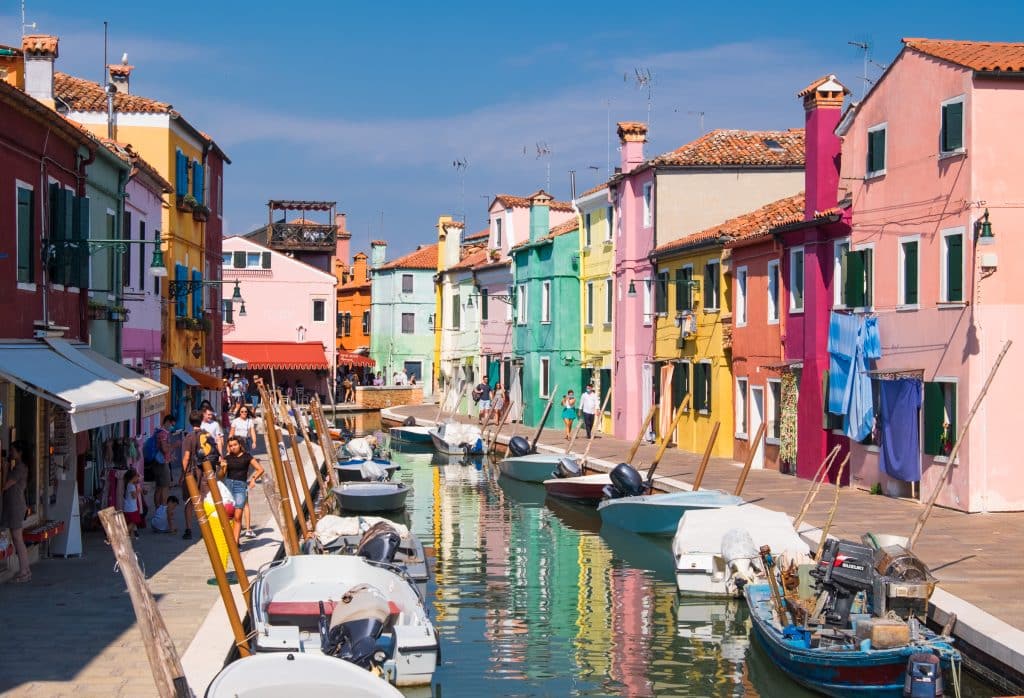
pixel 460 165
pixel 608 130
pixel 25 25
pixel 865 48
pixel 572 184
pixel 644 79
pixel 700 119
pixel 543 151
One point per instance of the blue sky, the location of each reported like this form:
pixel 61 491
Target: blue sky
pixel 370 104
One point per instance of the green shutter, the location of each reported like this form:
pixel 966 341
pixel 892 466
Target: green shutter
pixel 661 293
pixel 126 257
pixel 954 268
pixel 853 293
pixel 680 383
pixel 910 273
pixel 456 312
pixel 265 260
pixel 934 413
pixel 238 260
pixel 876 151
pixel 680 291
pixel 484 305
pixel 605 375
pixel 707 387
pixel 952 127
pixel 26 236
pixel 80 231
pixel 699 387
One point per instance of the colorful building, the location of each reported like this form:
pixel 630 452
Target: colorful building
pixel 402 313
pixel 929 163
pixel 546 338
pixel 597 294
pixel 353 311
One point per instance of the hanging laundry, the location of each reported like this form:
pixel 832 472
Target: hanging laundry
pixel 860 412
pixel 842 346
pixel 899 453
pixel 788 421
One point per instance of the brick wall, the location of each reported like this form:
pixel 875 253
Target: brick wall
pixel 389 396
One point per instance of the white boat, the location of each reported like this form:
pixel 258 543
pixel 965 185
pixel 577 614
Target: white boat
pixel 713 548
pixel 297 674
pixel 411 434
pixel 286 601
pixel 343 534
pixel 532 467
pixel 454 438
pixel 369 497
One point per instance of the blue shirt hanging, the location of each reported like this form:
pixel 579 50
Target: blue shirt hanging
pixel 899 404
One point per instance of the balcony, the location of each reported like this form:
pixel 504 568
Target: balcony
pixel 302 236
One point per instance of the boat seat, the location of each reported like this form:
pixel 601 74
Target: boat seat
pixel 306 614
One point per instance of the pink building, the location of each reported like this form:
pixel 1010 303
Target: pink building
pixel 289 321
pixel 931 150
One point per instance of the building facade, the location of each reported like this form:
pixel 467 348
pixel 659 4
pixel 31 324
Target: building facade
pixel 353 311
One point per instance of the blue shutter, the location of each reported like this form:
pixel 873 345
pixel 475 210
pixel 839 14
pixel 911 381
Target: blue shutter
pixel 197 295
pixel 197 180
pixel 180 275
pixel 180 173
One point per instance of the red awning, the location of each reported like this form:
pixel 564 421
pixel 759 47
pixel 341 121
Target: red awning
pixel 346 358
pixel 205 380
pixel 282 355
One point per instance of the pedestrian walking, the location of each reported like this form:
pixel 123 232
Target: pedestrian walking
pixel 15 505
pixel 244 427
pixel 568 412
pixel 133 502
pixel 239 481
pixel 482 396
pixel 498 401
pixel 588 408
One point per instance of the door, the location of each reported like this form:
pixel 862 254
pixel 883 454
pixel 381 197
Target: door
pixel 647 390
pixel 756 420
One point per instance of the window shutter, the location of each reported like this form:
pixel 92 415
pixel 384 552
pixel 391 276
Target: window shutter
pixel 201 183
pixel 80 231
pixel 265 261
pixel 180 173
pixel 484 305
pixel 661 294
pixel 680 383
pixel 180 307
pixel 954 268
pixel 934 406
pixel 910 273
pixel 854 291
pixel 709 287
pixel 953 127
pixel 142 256
pixel 238 260
pixel 197 295
pixel 126 257
pixel 876 150
pixel 227 309
pixel 699 386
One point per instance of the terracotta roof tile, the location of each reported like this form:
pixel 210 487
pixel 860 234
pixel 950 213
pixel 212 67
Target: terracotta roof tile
pixel 128 154
pixel 983 56
pixel 750 225
pixel 471 260
pixel 560 229
pixel 594 190
pixel 39 44
pixel 510 201
pixel 377 242
pixel 730 147
pixel 424 257
pixel 86 95
pixel 480 235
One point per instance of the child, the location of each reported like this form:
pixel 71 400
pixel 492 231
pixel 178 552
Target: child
pixel 133 502
pixel 163 519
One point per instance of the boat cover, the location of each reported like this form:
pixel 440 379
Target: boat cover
pixel 330 527
pixel 702 530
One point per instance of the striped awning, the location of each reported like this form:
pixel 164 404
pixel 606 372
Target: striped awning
pixel 279 355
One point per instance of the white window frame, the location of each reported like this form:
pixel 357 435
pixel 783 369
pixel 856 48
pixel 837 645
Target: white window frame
pixel 837 271
pixel 545 302
pixel 312 313
pixel 587 229
pixel 609 300
pixel 609 212
pixel 18 184
pixel 741 400
pixel 259 260
pixel 508 306
pixel 793 252
pixel 773 298
pixel 900 273
pixel 718 286
pixel 769 409
pixel 589 303
pixel 884 126
pixel 740 296
pixel 648 201
pixel 522 298
pixel 544 376
pixel 943 276
pixel 648 300
pixel 963 137
pixel 710 385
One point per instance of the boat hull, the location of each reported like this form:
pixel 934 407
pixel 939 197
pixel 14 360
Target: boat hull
pixel 585 489
pixel 412 435
pixel 369 497
pixel 350 470
pixel 452 449
pixel 535 467
pixel 659 514
pixel 309 675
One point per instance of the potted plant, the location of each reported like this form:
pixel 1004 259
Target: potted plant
pixel 119 313
pixel 185 202
pixel 200 212
pixel 97 311
pixel 207 325
pixel 495 255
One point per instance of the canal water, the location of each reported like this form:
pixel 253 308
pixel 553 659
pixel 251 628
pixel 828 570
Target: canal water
pixel 532 597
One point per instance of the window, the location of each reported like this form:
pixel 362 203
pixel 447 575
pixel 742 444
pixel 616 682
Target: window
pixel 876 151
pixel 952 139
pixel 406 283
pixel 796 280
pixel 839 250
pixel 684 291
pixel 711 281
pixel 414 369
pixel 680 383
pixel 545 302
pixel 180 173
pixel 198 183
pixel 608 217
pixel 456 312
pixel 197 294
pixel 265 260
pixel 220 196
pixel 940 428
pixel 521 302
pixel 26 234
pixel 142 255
pixel 741 408
pixel 702 387
pixel 408 323
pixel 648 289
pixel 648 188
pixel 319 308
pixel 661 294
pixel 485 305
pixel 126 258
pixel 586 229
pixel 952 266
pixel 227 311
pixel 773 292
pixel 608 300
pixel 112 234
pixel 510 304
pixel 545 376
pixel 339 325
pixel 366 322
pixel 229 260
pixel 741 296
pixel 908 272
pixel 858 281
pixel 156 241
pixel 497 232
pixel 773 430
pixel 252 260
pixel 60 228
pixel 590 304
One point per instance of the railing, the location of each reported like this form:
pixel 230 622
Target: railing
pixel 312 237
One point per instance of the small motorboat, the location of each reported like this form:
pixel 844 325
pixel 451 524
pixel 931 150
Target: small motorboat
pixel 523 464
pixel 369 497
pixel 568 482
pixel 411 434
pixel 348 607
pixel 295 673
pixel 456 438
pixel 356 535
pixel 354 469
pixel 715 548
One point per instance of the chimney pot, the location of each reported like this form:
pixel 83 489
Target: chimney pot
pixel 40 53
pixel 120 76
pixel 632 136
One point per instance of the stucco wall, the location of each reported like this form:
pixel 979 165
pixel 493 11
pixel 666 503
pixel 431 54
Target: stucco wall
pixel 389 346
pixel 596 264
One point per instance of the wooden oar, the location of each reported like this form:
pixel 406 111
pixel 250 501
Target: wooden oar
pixel 754 445
pixel 707 456
pixel 593 432
pixel 544 418
pixel 812 490
pixel 640 435
pixel 664 442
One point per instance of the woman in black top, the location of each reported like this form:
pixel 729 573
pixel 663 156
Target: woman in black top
pixel 238 480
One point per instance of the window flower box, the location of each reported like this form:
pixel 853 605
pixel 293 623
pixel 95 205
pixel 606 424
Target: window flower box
pixel 97 311
pixel 185 203
pixel 200 212
pixel 188 323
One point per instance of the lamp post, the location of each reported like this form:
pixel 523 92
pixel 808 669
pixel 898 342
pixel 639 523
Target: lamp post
pixel 983 231
pixel 179 288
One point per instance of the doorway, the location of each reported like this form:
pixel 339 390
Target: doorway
pixel 756 420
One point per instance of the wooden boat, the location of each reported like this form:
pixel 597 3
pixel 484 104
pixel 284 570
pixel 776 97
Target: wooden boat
pixel 713 548
pixel 288 593
pixel 412 435
pixel 341 535
pixel 368 497
pixel 351 469
pixel 840 669
pixel 295 673
pixel 583 488
pixel 659 514
pixel 533 467
pixel 455 438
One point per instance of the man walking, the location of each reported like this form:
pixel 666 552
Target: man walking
pixel 195 450
pixel 212 427
pixel 482 394
pixel 588 406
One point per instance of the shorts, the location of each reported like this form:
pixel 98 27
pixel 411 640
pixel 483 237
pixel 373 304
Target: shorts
pixel 485 404
pixel 135 517
pixel 239 492
pixel 161 473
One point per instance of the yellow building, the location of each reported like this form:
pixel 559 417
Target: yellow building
pixel 597 259
pixel 693 327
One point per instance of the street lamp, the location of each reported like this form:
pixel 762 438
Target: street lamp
pixel 983 230
pixel 93 245
pixel 182 287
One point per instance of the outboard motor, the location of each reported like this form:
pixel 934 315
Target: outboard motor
pixel 626 482
pixel 924 677
pixel 356 624
pixel 519 446
pixel 568 467
pixel 845 568
pixel 380 543
pixel 410 421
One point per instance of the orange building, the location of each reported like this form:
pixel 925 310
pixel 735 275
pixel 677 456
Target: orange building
pixel 353 333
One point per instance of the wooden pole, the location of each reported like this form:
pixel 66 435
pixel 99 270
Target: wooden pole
pixel 291 543
pixel 812 490
pixel 330 454
pixel 593 431
pixel 229 533
pixel 544 418
pixel 575 433
pixel 919 526
pixel 707 456
pixel 640 435
pixel 754 445
pixel 293 490
pixel 835 507
pixel 300 474
pixel 668 437
pixel 309 447
pixel 163 658
pixel 494 437
pixel 241 642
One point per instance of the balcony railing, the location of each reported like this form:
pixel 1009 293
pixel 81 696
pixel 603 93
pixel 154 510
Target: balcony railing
pixel 305 237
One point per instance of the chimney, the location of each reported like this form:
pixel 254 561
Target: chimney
pixel 342 239
pixel 40 53
pixel 540 215
pixel 449 239
pixel 378 253
pixel 823 107
pixel 12 67
pixel 632 136
pixel 120 75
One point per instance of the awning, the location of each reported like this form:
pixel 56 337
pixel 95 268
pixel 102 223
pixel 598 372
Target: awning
pixel 185 378
pixel 153 393
pixel 205 380
pixel 346 358
pixel 233 361
pixel 280 355
pixel 90 400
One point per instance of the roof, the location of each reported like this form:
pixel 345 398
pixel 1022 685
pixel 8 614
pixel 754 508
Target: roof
pixel 510 201
pixel 560 229
pixel 33 107
pixel 281 355
pixel 982 56
pixel 471 260
pixel 480 235
pixel 594 190
pixel 733 147
pixel 423 257
pixel 85 95
pixel 752 225
pixel 139 165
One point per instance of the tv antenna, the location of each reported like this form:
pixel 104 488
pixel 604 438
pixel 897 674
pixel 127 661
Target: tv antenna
pixel 865 48
pixel 25 25
pixel 544 153
pixel 644 80
pixel 461 165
